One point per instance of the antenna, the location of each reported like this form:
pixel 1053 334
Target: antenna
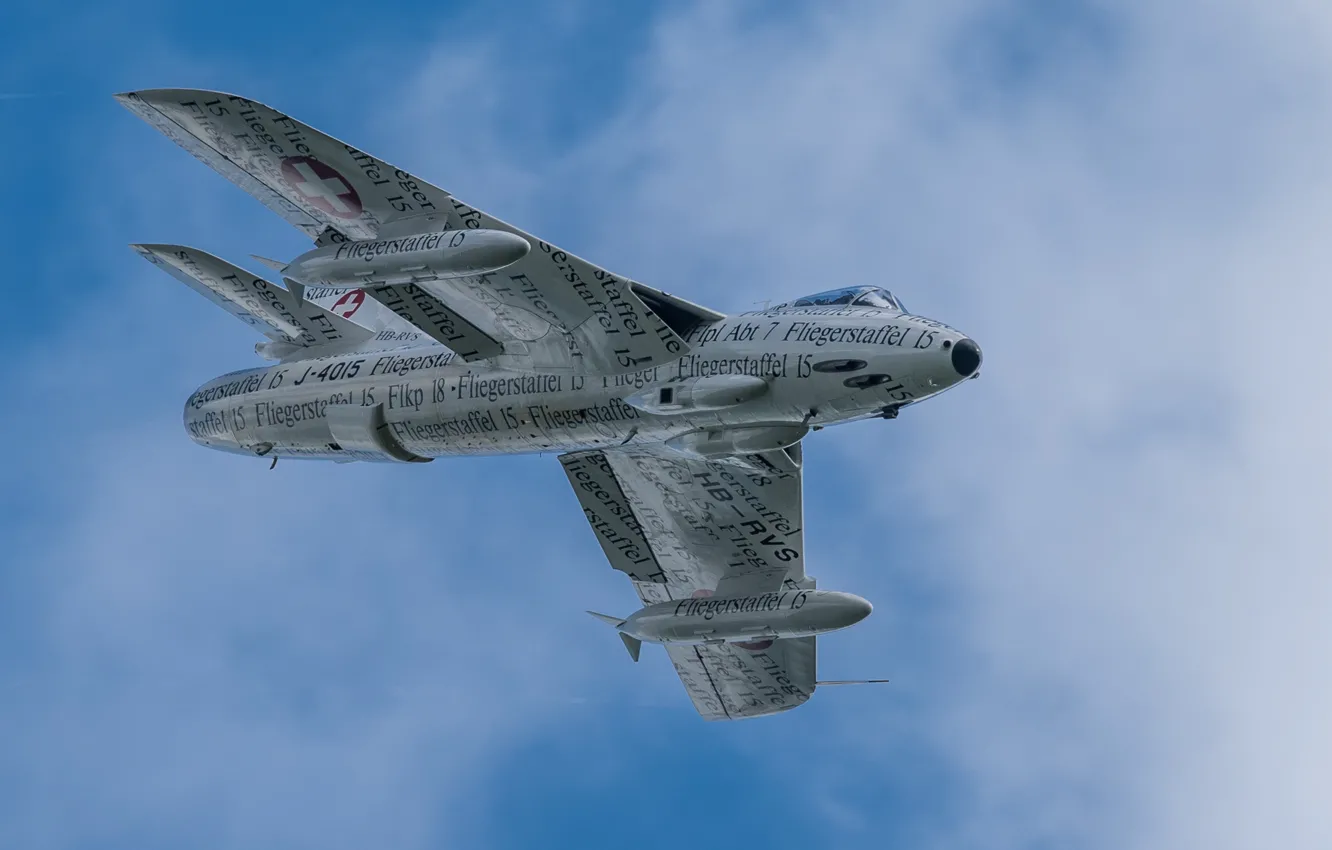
pixel 851 682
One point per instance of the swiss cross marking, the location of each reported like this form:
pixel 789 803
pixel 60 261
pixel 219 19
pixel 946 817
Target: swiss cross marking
pixel 321 186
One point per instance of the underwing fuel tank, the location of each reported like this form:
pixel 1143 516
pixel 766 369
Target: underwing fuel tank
pixel 721 619
pixel 422 256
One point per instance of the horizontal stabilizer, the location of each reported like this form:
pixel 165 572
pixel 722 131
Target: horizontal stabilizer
pixel 631 643
pixel 276 265
pixel 613 622
pixel 276 313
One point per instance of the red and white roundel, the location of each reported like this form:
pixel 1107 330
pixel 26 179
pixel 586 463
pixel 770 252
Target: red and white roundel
pixel 321 186
pixel 349 303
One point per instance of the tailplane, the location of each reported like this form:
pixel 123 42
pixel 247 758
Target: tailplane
pixel 631 643
pixel 290 321
pixel 613 622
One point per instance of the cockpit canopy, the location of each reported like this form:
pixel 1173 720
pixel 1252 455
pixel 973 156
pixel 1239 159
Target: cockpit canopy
pixel 853 296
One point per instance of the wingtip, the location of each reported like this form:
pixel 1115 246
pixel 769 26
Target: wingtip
pixel 168 93
pixel 154 248
pixel 127 99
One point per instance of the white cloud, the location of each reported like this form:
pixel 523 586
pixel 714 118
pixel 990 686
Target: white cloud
pixel 1131 222
pixel 314 656
pixel 1125 206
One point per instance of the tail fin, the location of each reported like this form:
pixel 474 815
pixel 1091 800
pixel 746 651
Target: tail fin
pixel 631 643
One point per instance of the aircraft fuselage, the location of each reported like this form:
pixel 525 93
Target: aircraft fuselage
pixel 766 376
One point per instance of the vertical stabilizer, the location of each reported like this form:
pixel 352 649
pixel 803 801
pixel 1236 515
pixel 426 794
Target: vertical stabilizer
pixel 633 644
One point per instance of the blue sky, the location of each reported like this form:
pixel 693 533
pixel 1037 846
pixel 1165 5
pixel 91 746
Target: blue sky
pixel 1074 561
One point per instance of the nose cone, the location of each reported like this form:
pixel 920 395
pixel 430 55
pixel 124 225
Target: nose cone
pixel 966 357
pixel 492 249
pixel 846 609
pixel 860 608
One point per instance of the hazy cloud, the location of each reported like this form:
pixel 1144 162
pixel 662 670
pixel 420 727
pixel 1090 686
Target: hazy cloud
pixel 1098 571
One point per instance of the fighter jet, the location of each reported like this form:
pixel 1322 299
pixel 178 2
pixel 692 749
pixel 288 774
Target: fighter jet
pixel 420 327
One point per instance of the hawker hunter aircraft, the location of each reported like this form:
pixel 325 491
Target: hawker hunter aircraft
pixel 420 327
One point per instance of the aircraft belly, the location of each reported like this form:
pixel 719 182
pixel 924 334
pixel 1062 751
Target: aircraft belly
pixel 432 403
pixel 443 409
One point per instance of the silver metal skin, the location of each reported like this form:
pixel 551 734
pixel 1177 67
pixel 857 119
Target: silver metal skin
pixel 420 327
pixel 430 256
pixel 436 405
pixel 717 619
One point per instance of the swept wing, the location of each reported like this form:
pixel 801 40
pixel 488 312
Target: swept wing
pixel 681 527
pixel 550 309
